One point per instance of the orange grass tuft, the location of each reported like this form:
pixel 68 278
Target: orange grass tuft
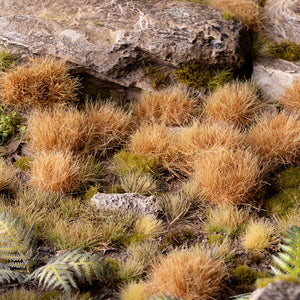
pixel 41 82
pixel 198 137
pixel 227 176
pixel 155 140
pixel 235 103
pixel 172 106
pixel 57 172
pixel 291 98
pixel 190 274
pixel 248 11
pixel 276 137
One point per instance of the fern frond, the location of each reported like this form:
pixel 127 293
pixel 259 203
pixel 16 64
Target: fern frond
pixel 7 275
pixel 288 261
pixel 16 248
pixel 61 272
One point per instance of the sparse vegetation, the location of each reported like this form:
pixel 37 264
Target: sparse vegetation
pixel 157 77
pixel 7 60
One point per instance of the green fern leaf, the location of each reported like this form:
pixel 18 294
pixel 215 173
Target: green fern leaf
pixel 16 248
pixel 7 275
pixel 288 261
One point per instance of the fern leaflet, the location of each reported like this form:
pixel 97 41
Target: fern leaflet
pixel 16 247
pixel 7 275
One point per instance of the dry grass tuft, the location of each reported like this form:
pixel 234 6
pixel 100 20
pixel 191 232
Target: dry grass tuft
pixel 148 226
pixel 7 177
pixel 227 219
pixel 98 129
pixel 292 218
pixel 227 176
pixel 260 235
pixel 172 106
pixel 57 172
pixel 41 82
pixel 157 141
pixel 198 137
pixel 188 273
pixel 291 98
pixel 235 103
pixel 276 137
pixel 134 291
pixel 248 11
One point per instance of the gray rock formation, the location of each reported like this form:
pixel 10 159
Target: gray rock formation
pixel 113 40
pixel 279 290
pixel 128 201
pixel 274 75
pixel 282 20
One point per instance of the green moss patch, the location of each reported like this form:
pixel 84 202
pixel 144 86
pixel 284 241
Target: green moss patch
pixel 290 178
pixel 285 50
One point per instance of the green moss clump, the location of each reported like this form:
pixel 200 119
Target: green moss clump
pixel 157 77
pixel 285 50
pixel 227 15
pixel 24 163
pixel 127 162
pixel 6 60
pixel 215 239
pixel 283 203
pixel 197 76
pixel 290 178
pixel 90 193
pixel 244 275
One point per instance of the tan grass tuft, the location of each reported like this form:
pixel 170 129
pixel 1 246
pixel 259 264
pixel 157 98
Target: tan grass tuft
pixel 157 141
pixel 134 291
pixel 57 172
pixel 291 98
pixel 188 273
pixel 260 235
pixel 7 177
pixel 172 106
pixel 227 176
pixel 248 11
pixel 42 82
pixel 148 226
pixel 276 137
pixel 235 103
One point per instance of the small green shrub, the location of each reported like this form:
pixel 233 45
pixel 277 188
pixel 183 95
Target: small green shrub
pixel 244 275
pixel 227 15
pixel 157 77
pixel 24 163
pixel 285 50
pixel 6 60
pixel 290 178
pixel 197 76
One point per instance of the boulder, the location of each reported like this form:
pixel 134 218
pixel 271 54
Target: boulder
pixel 114 40
pixel 274 75
pixel 282 21
pixel 128 201
pixel 279 290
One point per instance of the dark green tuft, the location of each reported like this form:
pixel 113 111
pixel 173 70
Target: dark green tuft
pixel 290 178
pixel 285 50
pixel 157 77
pixel 244 275
pixel 24 163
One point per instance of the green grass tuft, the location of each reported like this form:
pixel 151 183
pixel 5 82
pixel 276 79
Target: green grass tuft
pixel 6 60
pixel 290 178
pixel 285 50
pixel 24 163
pixel 244 275
pixel 157 77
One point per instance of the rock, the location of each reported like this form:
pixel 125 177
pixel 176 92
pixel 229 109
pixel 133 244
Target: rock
pixel 283 20
pixel 127 201
pixel 279 290
pixel 274 75
pixel 114 40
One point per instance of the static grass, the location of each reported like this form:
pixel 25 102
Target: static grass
pixel 290 178
pixel 189 273
pixel 226 219
pixel 7 60
pixel 134 291
pixel 291 97
pixel 7 177
pixel 285 50
pixel 41 82
pixel 148 226
pixel 172 106
pixel 24 163
pixel 260 235
pixel 227 176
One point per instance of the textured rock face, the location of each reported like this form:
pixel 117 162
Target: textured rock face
pixel 114 40
pixel 280 290
pixel 283 20
pixel 128 201
pixel 274 75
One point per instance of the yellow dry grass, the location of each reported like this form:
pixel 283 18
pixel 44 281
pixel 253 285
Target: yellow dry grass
pixel 260 235
pixel 134 291
pixel 291 97
pixel 41 82
pixel 276 137
pixel 227 176
pixel 191 274
pixel 7 177
pixel 172 106
pixel 57 172
pixel 155 140
pixel 148 226
pixel 235 103
pixel 198 137
pixel 248 11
